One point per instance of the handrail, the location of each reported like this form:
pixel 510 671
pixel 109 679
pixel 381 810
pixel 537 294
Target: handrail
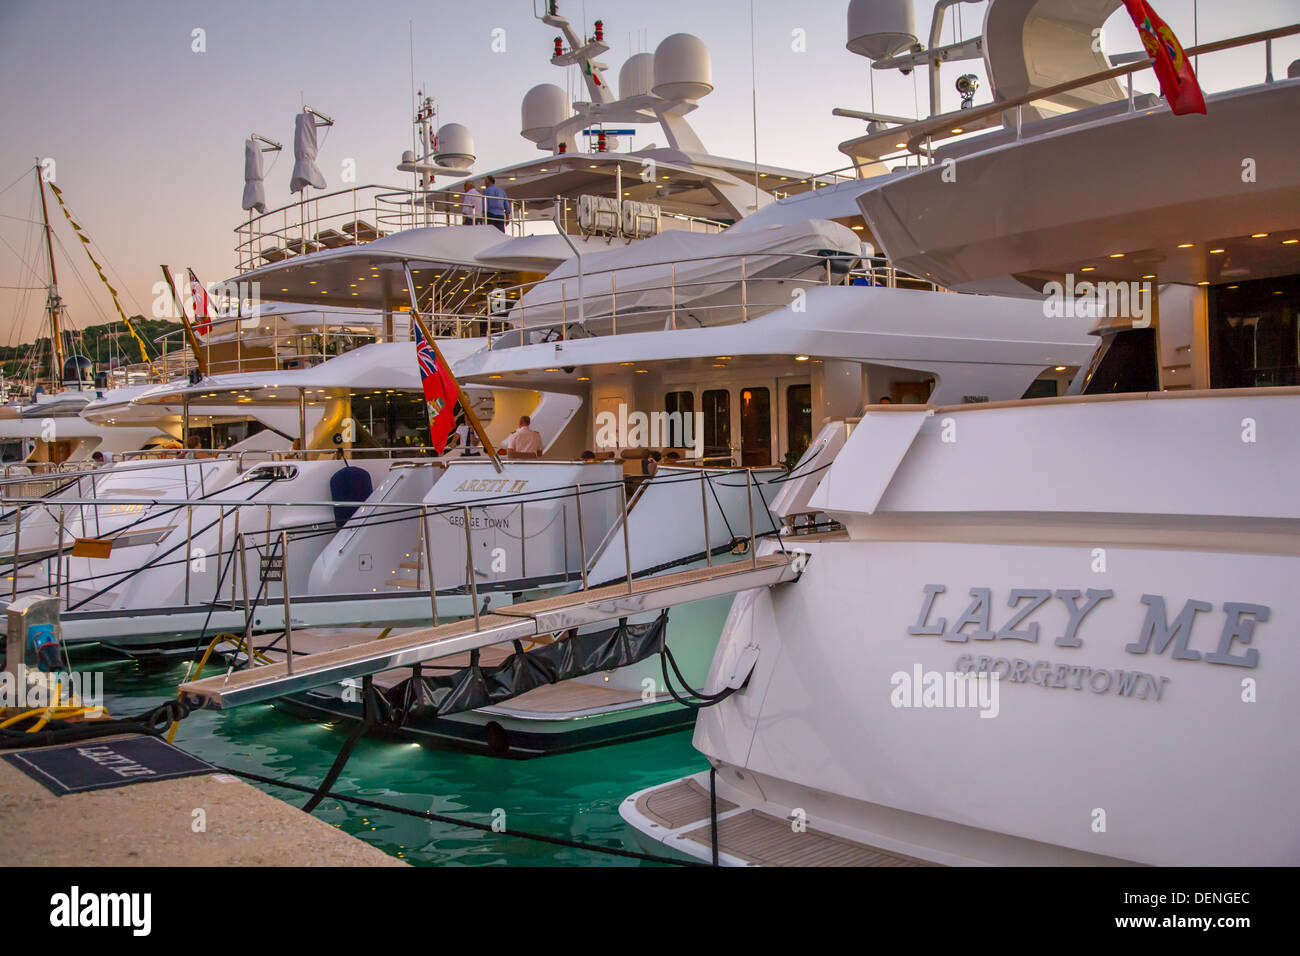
pixel 922 131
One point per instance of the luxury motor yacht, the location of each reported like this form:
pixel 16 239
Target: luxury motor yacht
pixel 1036 630
pixel 702 364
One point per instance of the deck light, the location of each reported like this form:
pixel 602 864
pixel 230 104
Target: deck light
pixel 1259 235
pixel 1186 245
pixel 1088 269
pixel 1215 252
pixel 1290 242
pixel 1060 368
pixel 801 358
pixel 1117 255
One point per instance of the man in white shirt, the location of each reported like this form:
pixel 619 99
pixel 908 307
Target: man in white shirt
pixel 523 441
pixel 471 207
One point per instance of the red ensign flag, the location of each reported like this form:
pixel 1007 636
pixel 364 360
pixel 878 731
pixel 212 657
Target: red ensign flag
pixel 1173 69
pixel 202 306
pixel 440 391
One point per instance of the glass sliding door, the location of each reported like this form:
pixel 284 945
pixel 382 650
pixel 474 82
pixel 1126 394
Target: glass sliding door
pixel 755 427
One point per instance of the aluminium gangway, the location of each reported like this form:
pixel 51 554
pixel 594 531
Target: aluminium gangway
pixel 521 621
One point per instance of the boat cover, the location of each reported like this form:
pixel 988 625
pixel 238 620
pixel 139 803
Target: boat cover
pixel 574 655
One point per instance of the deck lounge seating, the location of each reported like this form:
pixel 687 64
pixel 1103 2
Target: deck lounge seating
pixel 302 246
pixel 333 239
pixel 362 231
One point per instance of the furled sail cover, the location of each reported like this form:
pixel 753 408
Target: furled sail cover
pixel 305 171
pixel 254 187
pixel 574 655
pixel 690 279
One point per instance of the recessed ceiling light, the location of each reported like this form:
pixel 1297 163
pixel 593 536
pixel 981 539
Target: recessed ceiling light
pixel 859 228
pixel 1202 283
pixel 1152 276
pixel 1088 269
pixel 1290 242
pixel 957 130
pixel 1215 252
pixel 896 146
pixel 1060 368
pixel 584 378
pixel 1117 255
pixel 1186 245
pixel 723 358
pixel 1259 235
pixel 801 358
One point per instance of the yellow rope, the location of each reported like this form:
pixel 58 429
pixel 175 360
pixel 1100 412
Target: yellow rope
pixel 195 671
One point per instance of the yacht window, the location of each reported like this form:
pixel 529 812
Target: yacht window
pixel 681 404
pixel 755 427
pixel 798 420
pixel 394 420
pixel 1255 333
pixel 717 423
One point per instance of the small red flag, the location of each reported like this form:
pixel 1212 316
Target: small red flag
pixel 1173 69
pixel 440 391
pixel 202 306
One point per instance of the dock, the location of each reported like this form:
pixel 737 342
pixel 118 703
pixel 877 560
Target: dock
pixel 528 620
pixel 152 824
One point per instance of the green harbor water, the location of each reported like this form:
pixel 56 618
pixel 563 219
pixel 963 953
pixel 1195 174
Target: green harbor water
pixel 572 796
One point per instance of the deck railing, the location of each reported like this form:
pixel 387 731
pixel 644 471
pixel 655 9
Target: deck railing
pixel 921 136
pixel 362 214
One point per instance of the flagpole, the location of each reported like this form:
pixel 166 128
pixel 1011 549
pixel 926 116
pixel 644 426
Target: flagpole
pixel 185 321
pixel 470 417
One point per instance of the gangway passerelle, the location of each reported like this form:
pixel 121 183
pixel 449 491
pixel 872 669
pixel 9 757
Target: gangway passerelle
pixel 521 621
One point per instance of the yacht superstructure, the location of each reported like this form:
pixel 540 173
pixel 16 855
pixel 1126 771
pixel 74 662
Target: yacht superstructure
pixel 1034 632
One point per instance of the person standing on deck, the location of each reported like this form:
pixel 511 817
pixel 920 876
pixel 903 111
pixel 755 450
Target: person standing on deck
pixel 496 206
pixel 523 441
pixel 471 207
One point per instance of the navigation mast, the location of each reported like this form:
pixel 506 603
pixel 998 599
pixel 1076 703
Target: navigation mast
pixel 53 301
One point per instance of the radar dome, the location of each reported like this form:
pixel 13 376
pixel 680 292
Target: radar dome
pixel 637 77
pixel 880 28
pixel 545 106
pixel 682 68
pixel 455 147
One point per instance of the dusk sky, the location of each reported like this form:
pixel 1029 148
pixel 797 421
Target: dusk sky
pixel 148 135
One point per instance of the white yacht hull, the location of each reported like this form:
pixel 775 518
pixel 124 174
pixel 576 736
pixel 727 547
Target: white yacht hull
pixel 1126 568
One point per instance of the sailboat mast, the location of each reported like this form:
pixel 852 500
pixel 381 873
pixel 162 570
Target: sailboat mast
pixel 53 303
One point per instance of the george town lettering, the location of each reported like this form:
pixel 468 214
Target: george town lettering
pixel 1156 632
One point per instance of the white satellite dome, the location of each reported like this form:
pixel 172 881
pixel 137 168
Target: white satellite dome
pixel 545 106
pixel 455 146
pixel 637 77
pixel 682 68
pixel 880 28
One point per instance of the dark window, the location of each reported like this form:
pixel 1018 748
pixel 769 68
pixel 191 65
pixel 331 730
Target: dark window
pixel 1041 388
pixel 1124 362
pixel 681 404
pixel 755 427
pixel 798 419
pixel 717 423
pixel 1254 335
